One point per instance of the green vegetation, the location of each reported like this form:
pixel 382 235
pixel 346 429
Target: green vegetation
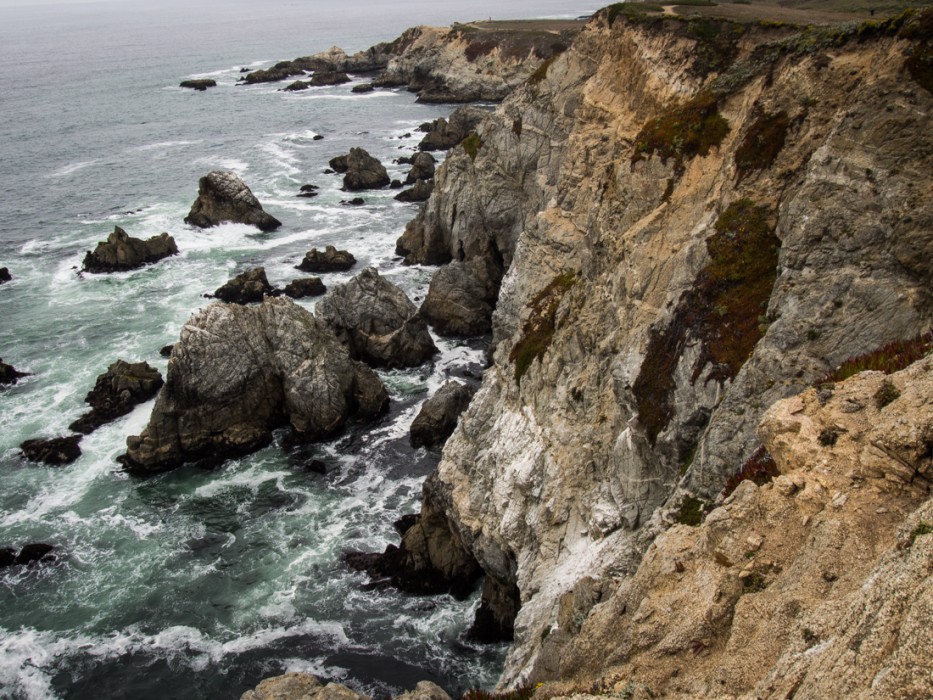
pixel 539 329
pixel 690 512
pixel 540 73
pixel 722 311
pixel 683 132
pixel 762 143
pixel 754 583
pixel 471 144
pixel 630 10
pixel 886 393
pixel 759 468
pixel 922 529
pixel 888 358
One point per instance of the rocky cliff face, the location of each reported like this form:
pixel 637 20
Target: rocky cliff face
pixel 697 219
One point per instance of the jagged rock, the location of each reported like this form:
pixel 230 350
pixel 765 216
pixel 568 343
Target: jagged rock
pixel 246 288
pixel 362 171
pixel 443 134
pixel 35 552
pixel 330 260
pixel 238 372
pixel 10 375
pixel 377 322
pixel 280 71
pixel 116 392
pixel 305 287
pixel 54 451
pixel 199 84
pixel 425 690
pixel 419 193
pixel 422 167
pixel 362 88
pixel 223 197
pixel 495 618
pixel 301 686
pixel 121 252
pixel 438 416
pixel 5 275
pixel 462 296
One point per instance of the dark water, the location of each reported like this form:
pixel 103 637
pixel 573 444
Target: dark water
pixel 199 583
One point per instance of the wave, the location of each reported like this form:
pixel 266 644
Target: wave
pixel 72 168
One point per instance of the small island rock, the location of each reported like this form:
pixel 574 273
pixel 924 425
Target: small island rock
pixel 362 171
pixel 224 197
pixel 198 84
pixel 121 252
pixel 246 288
pixel 116 392
pixel 438 416
pixel 330 260
pixel 54 451
pixel 422 167
pixel 305 287
pixel 419 193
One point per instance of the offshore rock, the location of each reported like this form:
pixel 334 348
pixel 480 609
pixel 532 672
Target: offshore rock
pixel 116 392
pixel 305 287
pixel 321 78
pixel 443 134
pixel 328 260
pixel 377 322
pixel 246 288
pixel 53 451
pixel 438 416
pixel 200 84
pixel 422 167
pixel 9 374
pixel 462 296
pixel 35 552
pixel 121 252
pixel 5 275
pixel 223 197
pixel 238 372
pixel 419 193
pixel 362 171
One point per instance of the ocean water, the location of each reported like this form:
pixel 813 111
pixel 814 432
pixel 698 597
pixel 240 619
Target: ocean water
pixel 200 583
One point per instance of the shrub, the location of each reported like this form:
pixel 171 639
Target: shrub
pixel 683 132
pixel 922 529
pixel 886 393
pixel 539 329
pixel 471 144
pixel 888 358
pixel 762 143
pixel 690 512
pixel 759 468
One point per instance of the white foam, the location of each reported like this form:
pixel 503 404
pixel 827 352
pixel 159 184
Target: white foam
pixel 72 168
pixel 162 145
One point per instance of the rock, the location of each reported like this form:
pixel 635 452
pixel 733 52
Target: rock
pixel 198 84
pixel 54 451
pixel 296 86
pixel 321 78
pixel 308 191
pixel 116 392
pixel 362 88
pixel 425 690
pixel 35 552
pixel 396 185
pixel 419 193
pixel 422 167
pixel 223 197
pixel 9 375
pixel 317 137
pixel 305 287
pixel 239 372
pixel 355 202
pixel 7 557
pixel 301 686
pixel 246 288
pixel 166 350
pixel 330 260
pixel 462 296
pixel 5 275
pixel 443 134
pixel 121 252
pixel 362 171
pixel 377 322
pixel 438 416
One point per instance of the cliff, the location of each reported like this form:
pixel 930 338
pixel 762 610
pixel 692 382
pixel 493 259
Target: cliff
pixel 696 220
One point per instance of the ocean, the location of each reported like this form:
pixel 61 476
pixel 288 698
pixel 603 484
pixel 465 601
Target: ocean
pixel 199 583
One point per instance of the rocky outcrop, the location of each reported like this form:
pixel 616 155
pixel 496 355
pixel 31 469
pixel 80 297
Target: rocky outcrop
pixel 419 193
pixel 200 84
pixel 328 260
pixel 121 252
pixel 223 197
pixel 9 374
pixel 438 416
pixel 238 372
pixel 55 452
pixel 304 686
pixel 247 287
pixel 305 287
pixel 443 134
pixel 362 171
pixel 377 322
pixel 116 392
pixel 462 296
pixel 422 168
pixel 667 279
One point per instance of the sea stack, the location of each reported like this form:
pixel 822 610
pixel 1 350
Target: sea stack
pixel 224 198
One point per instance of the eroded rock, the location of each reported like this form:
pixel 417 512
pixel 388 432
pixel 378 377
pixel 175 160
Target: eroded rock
pixel 55 452
pixel 116 392
pixel 361 171
pixel 121 252
pixel 419 193
pixel 422 167
pixel 438 416
pixel 328 260
pixel 305 287
pixel 246 288
pixel 224 197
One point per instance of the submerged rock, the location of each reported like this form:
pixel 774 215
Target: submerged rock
pixel 10 375
pixel 362 171
pixel 438 416
pixel 238 372
pixel 121 252
pixel 224 197
pixel 377 322
pixel 328 260
pixel 54 451
pixel 305 287
pixel 116 392
pixel 198 84
pixel 246 288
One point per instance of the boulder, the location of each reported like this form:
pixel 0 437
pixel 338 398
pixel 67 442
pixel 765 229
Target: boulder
pixel 443 134
pixel 438 416
pixel 362 171
pixel 377 322
pixel 246 288
pixel 422 167
pixel 5 275
pixel 121 252
pixel 239 372
pixel 198 84
pixel 419 193
pixel 54 451
pixel 10 375
pixel 462 296
pixel 321 78
pixel 116 392
pixel 362 88
pixel 223 197
pixel 296 86
pixel 330 260
pixel 305 287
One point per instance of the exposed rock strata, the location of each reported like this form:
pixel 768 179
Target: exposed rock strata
pixel 377 322
pixel 223 197
pixel 121 252
pixel 238 372
pixel 248 287
pixel 566 476
pixel 438 416
pixel 116 392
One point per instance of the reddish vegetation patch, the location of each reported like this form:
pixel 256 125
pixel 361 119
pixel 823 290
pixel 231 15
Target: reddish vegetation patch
pixel 684 132
pixel 540 327
pixel 889 358
pixel 722 311
pixel 760 468
pixel 762 143
pixel 480 47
